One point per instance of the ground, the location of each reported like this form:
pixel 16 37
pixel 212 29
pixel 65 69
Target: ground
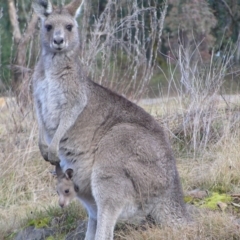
pixel 206 145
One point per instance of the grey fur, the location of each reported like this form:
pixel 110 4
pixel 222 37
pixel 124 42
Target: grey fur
pixel 122 162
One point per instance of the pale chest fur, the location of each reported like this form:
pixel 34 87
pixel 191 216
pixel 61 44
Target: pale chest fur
pixel 50 99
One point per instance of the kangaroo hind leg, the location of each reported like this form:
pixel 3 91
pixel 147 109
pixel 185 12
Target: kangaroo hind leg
pixel 111 198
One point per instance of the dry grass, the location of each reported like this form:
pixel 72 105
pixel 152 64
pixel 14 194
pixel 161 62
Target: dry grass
pixel 25 181
pixel 26 184
pixel 218 169
pixel 210 225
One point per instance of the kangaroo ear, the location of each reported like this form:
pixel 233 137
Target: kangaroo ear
pixel 42 8
pixel 69 173
pixel 75 7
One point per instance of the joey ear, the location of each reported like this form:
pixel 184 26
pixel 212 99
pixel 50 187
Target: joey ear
pixel 42 8
pixel 69 173
pixel 75 7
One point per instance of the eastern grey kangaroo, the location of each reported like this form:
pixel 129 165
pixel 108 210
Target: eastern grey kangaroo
pixel 122 162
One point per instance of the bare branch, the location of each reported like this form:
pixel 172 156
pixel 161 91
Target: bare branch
pixel 14 21
pixel 228 8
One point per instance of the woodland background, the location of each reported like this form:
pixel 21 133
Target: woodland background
pixel 127 35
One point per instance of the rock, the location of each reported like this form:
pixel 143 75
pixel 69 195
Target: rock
pixel 197 193
pixel 193 210
pixel 32 233
pixel 79 232
pixel 222 206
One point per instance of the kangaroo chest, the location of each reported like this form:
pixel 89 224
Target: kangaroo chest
pixel 51 100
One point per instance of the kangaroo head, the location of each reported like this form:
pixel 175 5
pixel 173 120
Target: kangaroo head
pixel 59 28
pixel 65 186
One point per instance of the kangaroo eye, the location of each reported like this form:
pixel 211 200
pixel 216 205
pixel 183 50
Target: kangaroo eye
pixel 48 27
pixel 69 27
pixel 67 191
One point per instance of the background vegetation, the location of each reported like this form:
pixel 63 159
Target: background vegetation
pixel 129 42
pixel 186 55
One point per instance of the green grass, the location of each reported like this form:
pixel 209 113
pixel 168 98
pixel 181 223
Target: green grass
pixel 62 221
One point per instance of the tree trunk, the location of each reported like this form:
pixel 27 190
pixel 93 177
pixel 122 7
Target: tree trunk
pixel 20 71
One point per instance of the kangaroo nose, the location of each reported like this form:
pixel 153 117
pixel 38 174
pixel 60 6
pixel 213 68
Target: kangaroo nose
pixel 61 205
pixel 58 40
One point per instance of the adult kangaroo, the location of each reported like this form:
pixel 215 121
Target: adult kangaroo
pixel 122 162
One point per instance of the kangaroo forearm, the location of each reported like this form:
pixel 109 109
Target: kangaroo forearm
pixel 66 122
pixel 42 143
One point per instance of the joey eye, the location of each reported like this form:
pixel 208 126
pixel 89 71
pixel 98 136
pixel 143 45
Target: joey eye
pixel 69 27
pixel 66 191
pixel 48 27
